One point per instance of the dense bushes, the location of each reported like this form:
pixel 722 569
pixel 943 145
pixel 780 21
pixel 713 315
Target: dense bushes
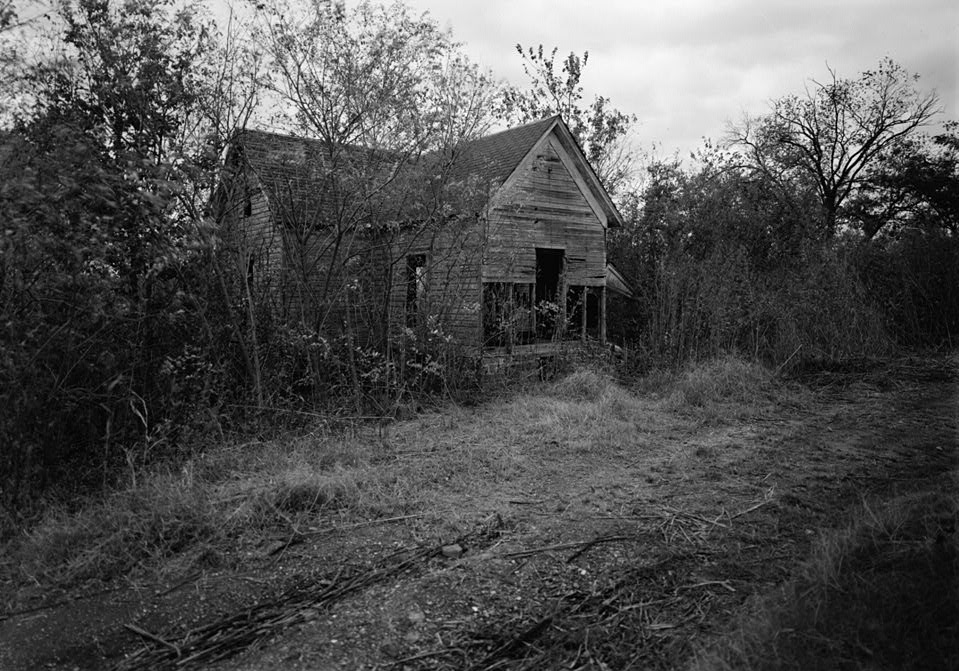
pixel 722 262
pixel 914 281
pixel 126 332
pixel 701 309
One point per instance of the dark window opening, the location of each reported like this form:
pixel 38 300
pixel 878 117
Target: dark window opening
pixel 549 272
pixel 592 313
pixel 247 202
pixel 415 288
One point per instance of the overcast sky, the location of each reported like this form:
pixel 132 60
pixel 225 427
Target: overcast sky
pixel 686 67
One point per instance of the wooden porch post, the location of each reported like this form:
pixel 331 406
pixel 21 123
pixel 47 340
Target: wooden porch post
pixel 559 330
pixel 602 316
pixel 582 320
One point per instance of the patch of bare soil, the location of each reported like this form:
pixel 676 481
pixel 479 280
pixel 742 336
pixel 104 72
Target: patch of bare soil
pixel 627 548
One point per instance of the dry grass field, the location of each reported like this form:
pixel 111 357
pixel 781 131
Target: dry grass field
pixel 721 518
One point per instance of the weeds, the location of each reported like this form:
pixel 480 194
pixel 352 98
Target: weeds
pixel 367 472
pixel 584 384
pixel 721 380
pixel 570 452
pixel 232 490
pixel 713 388
pixel 161 517
pixel 363 472
pixel 210 502
pixel 884 589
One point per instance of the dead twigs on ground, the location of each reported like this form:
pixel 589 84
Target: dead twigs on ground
pixel 297 536
pixel 215 641
pixel 151 637
pixel 614 607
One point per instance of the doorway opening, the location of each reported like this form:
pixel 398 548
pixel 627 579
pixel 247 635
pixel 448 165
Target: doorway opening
pixel 550 311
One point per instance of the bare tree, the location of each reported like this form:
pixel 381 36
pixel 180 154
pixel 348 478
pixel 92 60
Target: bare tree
pixel 603 131
pixel 836 134
pixel 387 99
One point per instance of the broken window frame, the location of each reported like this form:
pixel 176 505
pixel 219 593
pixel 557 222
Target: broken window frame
pixel 417 288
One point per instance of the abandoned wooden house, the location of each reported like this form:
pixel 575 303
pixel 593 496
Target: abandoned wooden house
pixel 499 245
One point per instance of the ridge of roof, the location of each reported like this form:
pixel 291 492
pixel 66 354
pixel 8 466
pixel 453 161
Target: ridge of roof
pixel 490 158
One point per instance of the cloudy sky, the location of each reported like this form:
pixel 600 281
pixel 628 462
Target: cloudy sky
pixel 686 67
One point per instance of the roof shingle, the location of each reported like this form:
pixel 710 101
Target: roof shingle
pixel 494 157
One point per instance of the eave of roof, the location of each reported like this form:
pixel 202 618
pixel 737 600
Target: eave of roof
pixel 616 283
pixel 613 215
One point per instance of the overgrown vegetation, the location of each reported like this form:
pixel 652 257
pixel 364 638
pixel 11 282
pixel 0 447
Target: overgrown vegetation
pixel 132 337
pixel 132 334
pixel 725 262
pixel 206 506
pixel 559 445
pixel 883 588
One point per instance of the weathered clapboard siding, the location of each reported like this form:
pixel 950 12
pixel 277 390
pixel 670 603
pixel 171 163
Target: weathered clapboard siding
pixel 453 254
pixel 542 206
pixel 309 231
pixel 250 234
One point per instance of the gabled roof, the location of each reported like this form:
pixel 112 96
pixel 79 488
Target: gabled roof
pixel 294 171
pixel 494 158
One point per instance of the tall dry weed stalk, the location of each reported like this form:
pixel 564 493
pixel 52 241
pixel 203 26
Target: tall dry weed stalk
pixel 701 309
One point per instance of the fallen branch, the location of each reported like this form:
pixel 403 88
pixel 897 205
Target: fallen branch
pixel 304 413
pixel 180 584
pixel 152 637
pixel 683 513
pixel 750 509
pixel 721 583
pixel 566 546
pixel 295 539
pixel 56 604
pixel 788 359
pixel 423 655
pixel 298 536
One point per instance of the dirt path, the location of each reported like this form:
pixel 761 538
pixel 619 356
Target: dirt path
pixel 623 549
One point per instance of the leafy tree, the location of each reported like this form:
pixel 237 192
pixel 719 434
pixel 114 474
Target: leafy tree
pixel 702 241
pixel 915 187
pixel 602 130
pixel 93 293
pixel 837 134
